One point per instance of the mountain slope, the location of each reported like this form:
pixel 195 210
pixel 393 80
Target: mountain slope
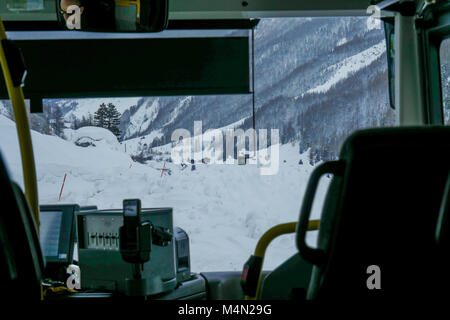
pixel 317 80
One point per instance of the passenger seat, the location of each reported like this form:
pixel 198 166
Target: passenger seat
pixel 380 214
pixel 21 259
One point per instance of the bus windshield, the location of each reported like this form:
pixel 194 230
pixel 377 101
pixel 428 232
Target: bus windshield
pixel 230 166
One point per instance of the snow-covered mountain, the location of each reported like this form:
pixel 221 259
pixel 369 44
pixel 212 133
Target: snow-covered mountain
pixel 83 107
pixel 317 80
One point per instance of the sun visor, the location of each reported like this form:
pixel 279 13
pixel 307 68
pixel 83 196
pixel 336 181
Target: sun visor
pixel 81 68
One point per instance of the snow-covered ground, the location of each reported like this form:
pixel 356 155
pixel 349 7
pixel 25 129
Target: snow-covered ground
pixel 224 208
pixel 134 146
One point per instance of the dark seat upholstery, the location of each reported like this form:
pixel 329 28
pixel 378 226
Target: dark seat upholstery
pixel 21 260
pixel 443 227
pixel 381 209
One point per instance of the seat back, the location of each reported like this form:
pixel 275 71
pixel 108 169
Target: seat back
pixel 21 260
pixel 390 184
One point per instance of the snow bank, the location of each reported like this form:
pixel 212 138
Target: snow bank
pixel 95 136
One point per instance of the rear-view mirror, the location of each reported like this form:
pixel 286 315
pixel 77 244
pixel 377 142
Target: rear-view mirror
pixel 113 15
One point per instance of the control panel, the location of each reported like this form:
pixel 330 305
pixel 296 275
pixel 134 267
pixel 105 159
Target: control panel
pixel 101 232
pixel 101 261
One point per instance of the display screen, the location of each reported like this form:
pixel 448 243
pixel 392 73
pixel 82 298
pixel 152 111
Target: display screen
pixel 131 209
pixel 50 232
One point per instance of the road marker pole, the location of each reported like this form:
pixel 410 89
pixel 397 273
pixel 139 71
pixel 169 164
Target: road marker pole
pixel 163 169
pixel 62 187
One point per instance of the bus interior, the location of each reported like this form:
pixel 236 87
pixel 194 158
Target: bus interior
pixel 145 129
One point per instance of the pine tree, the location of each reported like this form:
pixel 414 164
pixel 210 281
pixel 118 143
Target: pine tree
pixel 108 117
pixel 90 120
pixel 75 124
pixel 36 122
pixel 46 129
pixel 84 122
pixel 100 116
pixel 113 119
pixel 58 122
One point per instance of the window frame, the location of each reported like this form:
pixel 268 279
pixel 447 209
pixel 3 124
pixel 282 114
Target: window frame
pixel 432 38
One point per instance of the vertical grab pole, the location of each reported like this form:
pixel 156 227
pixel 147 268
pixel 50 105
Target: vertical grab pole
pixel 23 131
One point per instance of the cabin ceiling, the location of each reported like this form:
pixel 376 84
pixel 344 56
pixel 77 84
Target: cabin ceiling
pixel 225 9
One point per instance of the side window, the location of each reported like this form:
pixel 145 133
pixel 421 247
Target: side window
pixel 445 78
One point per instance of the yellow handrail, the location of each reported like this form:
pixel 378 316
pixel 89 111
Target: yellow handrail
pixel 268 237
pixel 23 132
